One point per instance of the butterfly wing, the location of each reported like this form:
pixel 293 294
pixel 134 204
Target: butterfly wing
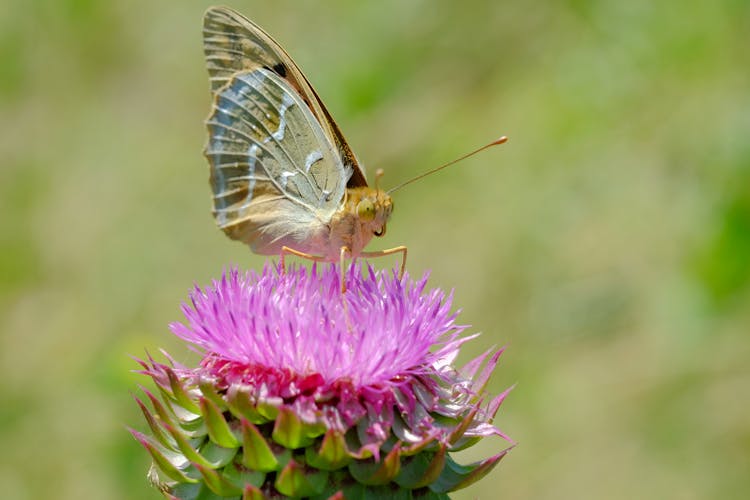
pixel 276 178
pixel 232 43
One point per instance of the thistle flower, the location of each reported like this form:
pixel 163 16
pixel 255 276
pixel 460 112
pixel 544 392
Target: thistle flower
pixel 305 392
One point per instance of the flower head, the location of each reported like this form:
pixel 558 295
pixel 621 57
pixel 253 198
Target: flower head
pixel 358 385
pixel 380 328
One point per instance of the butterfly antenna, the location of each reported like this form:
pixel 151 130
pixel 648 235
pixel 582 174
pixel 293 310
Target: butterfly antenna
pixel 378 175
pixel 496 142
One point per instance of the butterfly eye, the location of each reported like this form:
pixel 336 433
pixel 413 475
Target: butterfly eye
pixel 366 210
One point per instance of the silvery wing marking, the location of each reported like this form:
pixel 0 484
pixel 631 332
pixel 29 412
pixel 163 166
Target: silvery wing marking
pixel 276 178
pixel 232 43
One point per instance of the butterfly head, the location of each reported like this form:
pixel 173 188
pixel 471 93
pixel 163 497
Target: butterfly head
pixel 373 208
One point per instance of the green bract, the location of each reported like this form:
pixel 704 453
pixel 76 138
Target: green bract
pixel 209 445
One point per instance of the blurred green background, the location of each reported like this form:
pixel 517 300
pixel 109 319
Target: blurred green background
pixel 607 244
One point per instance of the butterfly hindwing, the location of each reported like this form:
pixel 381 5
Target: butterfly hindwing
pixel 276 177
pixel 233 43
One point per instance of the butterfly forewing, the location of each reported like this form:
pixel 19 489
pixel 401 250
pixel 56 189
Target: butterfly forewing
pixel 233 43
pixel 275 176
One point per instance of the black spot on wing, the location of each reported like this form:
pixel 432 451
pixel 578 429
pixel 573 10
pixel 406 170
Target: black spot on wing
pixel 279 69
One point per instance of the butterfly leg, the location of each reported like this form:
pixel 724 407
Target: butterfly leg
pixel 343 251
pixel 390 251
pixel 291 251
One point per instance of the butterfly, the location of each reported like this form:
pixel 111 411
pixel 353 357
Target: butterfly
pixel 283 178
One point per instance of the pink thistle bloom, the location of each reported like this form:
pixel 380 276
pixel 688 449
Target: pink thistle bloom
pixel 286 353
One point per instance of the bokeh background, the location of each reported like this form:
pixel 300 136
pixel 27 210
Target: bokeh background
pixel 607 244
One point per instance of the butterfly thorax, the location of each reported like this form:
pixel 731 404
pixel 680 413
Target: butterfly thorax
pixel 364 214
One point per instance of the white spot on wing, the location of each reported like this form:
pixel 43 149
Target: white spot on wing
pixel 286 103
pixel 312 158
pixel 252 154
pixel 285 176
